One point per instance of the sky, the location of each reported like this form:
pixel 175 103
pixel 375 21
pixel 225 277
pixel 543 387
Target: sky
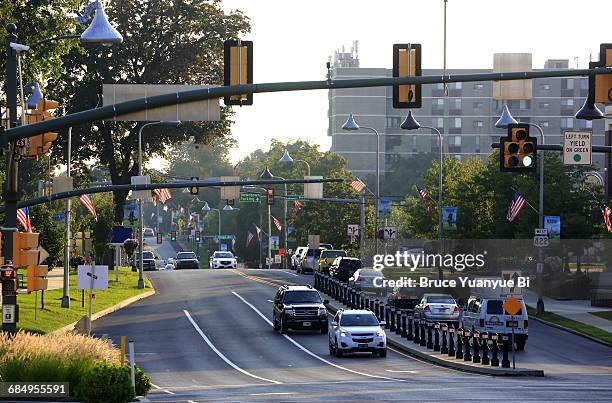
pixel 292 41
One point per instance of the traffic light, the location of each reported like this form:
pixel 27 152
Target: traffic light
pixel 197 236
pixel 270 196
pixel 603 82
pixel 238 69
pixel 194 190
pixel 25 252
pixel 518 150
pixel 40 144
pixel 37 280
pixel 173 236
pixel 9 280
pixel 407 62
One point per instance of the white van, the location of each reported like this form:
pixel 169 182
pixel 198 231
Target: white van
pixel 486 314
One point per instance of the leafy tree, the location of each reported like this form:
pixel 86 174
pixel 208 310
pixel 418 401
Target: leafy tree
pixel 51 234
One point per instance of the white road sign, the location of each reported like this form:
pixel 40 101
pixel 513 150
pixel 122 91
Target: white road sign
pixel 390 232
pixel 353 229
pixel 98 273
pixel 577 148
pixel 8 313
pixel 511 275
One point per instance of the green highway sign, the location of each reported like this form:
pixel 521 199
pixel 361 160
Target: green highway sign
pixel 295 197
pixel 250 197
pixel 225 237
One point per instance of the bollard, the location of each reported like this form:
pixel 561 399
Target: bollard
pixel 429 338
pixel 436 345
pixel 366 303
pixel 381 307
pixel 467 353
pixel 459 353
pixel 387 319
pixel 398 321
pixel 110 351
pixel 371 306
pixel 345 294
pixel 122 357
pixel 377 309
pixel 410 334
pixel 315 281
pixel 404 332
pixel 451 341
pixel 392 315
pixel 494 357
pixel 505 361
pixel 361 300
pixel 475 342
pixel 423 338
pixel 485 348
pixel 131 350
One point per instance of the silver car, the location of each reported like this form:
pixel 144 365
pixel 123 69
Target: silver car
pixel 364 280
pixel 437 308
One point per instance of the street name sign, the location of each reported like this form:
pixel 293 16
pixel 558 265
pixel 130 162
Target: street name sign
pixel 250 198
pixel 577 148
pixel 295 197
pixel 225 237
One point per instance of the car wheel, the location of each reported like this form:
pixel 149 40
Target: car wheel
pixel 276 326
pixel 520 345
pixel 338 350
pixel 382 353
pixel 283 326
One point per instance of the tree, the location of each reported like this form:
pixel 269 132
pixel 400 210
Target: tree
pixel 164 43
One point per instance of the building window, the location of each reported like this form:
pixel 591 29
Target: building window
pixel 458 85
pixel 456 104
pixel 478 86
pixel 568 84
pixel 478 123
pixel 524 104
pixel 543 123
pixel 567 123
pixel 567 102
pixel 456 141
pixel 439 86
pixel 588 124
pixel 438 122
pixel 438 102
pixel 545 87
pixel 478 105
pixel 544 105
pixel 457 123
pixel 477 140
pixel 393 121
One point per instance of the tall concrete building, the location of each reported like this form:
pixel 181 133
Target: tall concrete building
pixel 466 117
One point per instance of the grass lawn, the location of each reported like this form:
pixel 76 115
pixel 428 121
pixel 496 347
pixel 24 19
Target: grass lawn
pixel 574 325
pixel 603 314
pixel 54 316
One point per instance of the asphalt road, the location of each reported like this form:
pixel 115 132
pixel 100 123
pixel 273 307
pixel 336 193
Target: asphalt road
pixel 206 336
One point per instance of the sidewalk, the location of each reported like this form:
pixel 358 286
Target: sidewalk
pixel 56 278
pixel 578 310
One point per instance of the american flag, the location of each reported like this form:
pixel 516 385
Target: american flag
pixel 277 223
pixel 249 238
pixel 23 216
pixel 162 194
pixel 297 205
pixel 87 201
pixel 422 193
pixel 606 211
pixel 516 205
pixel 358 185
pixel 153 200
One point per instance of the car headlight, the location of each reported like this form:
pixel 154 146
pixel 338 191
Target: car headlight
pixel 344 334
pixel 380 333
pixel 289 312
pixel 322 311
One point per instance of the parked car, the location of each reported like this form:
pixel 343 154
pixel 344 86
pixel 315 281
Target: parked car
pixel 186 260
pixel 437 308
pixel 299 307
pixel 344 267
pixel 223 260
pixel 357 331
pixel 488 315
pixel 363 280
pixel 148 232
pixel 405 297
pixel 327 257
pixel 295 258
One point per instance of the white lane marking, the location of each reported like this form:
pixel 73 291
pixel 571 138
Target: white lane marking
pixel 271 393
pixel 270 301
pixel 399 371
pixel 155 386
pixel 191 401
pixel 304 349
pixel 223 357
pixel 168 392
pixel 288 272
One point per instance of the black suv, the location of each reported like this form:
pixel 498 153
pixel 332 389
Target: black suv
pixel 299 307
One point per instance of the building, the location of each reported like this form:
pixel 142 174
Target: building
pixel 466 117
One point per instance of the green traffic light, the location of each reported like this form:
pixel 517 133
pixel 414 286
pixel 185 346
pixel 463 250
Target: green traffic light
pixel 527 161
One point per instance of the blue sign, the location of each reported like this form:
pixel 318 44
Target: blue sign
pixel 223 247
pixel 130 214
pixel 552 223
pixel 290 229
pixel 449 218
pixel 384 207
pixel 120 234
pixel 59 217
pixel 275 241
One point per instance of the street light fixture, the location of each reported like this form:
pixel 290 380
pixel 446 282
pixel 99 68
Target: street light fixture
pixel 351 125
pixel 266 174
pixel 287 159
pixel 505 119
pixel 589 110
pixel 100 31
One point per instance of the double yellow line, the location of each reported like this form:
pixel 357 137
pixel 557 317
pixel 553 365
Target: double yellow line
pixel 272 282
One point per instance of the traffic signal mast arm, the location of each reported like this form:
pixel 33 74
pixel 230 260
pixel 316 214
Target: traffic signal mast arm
pixel 558 147
pixel 111 111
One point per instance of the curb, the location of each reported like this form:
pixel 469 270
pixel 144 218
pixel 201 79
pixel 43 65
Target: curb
pixel 457 365
pixel 567 329
pixel 108 310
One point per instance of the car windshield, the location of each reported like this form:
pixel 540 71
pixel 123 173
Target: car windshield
pixel 297 297
pixel 358 320
pixel 186 255
pixel 315 252
pixel 223 255
pixel 332 253
pixel 351 263
pixel 440 299
pixel 146 255
pixel 495 307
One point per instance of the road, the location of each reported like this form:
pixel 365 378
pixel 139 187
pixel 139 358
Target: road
pixel 206 336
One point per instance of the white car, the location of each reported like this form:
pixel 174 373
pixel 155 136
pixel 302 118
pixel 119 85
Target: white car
pixel 356 331
pixel 223 260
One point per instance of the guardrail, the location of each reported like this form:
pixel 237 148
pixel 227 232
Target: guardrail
pixel 462 344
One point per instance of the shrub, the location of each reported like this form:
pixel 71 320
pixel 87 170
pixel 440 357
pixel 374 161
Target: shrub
pixel 143 382
pixel 106 383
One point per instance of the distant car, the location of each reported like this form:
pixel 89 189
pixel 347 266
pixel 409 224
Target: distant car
pixel 223 260
pixel 344 267
pixel 327 257
pixel 148 232
pixel 405 297
pixel 354 331
pixel 437 308
pixel 363 280
pixel 186 260
pixel 295 258
pixel 148 260
pixel 309 259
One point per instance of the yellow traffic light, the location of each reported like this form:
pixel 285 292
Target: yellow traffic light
pixel 41 144
pixel 238 69
pixel 518 150
pixel 407 62
pixel 25 252
pixel 37 280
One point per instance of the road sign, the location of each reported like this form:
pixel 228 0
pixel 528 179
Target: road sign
pixel 249 198
pixel 353 229
pixel 86 272
pixel 225 237
pixel 541 231
pixel 294 197
pixel 511 275
pixel 577 148
pixel 8 314
pixel 390 232
pixel 540 241
pixel 512 305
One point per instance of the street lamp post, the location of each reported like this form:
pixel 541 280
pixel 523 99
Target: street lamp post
pixel 410 123
pixel 206 209
pixel 266 174
pixel 350 124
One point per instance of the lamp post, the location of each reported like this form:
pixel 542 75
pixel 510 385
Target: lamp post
pixel 266 174
pixel 99 32
pixel 140 201
pixel 287 159
pixel 206 209
pixel 351 125
pixel 410 123
pixel 504 120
